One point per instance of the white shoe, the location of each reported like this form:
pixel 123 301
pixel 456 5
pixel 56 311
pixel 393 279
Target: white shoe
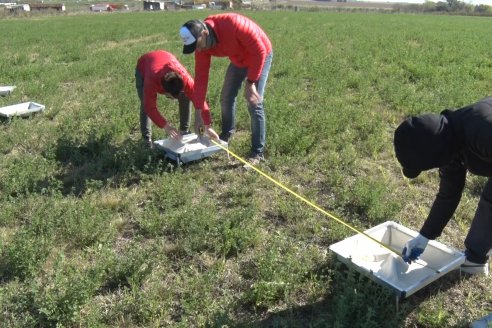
pixel 475 268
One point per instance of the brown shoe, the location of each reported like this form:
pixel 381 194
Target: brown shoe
pixel 254 160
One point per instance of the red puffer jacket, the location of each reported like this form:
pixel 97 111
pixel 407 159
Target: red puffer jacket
pixel 238 38
pixel 153 66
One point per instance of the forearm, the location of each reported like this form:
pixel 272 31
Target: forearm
pixel 202 67
pixel 441 212
pixel 447 199
pixel 156 117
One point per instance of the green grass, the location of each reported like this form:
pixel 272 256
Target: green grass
pixel 96 231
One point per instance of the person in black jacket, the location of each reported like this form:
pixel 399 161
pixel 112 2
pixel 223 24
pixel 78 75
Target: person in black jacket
pixel 456 142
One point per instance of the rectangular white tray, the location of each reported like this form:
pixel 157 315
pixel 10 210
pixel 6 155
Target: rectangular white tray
pixel 6 90
pixel 385 268
pixel 190 148
pixel 22 109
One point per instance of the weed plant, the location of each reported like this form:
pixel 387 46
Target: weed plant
pixel 97 231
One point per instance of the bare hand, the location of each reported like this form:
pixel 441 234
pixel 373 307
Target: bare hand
pixel 251 94
pixel 172 132
pixel 211 133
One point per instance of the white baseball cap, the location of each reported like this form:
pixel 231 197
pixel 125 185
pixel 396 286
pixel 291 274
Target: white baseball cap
pixel 189 33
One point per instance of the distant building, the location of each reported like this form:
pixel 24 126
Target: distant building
pixel 7 2
pixel 108 7
pixel 154 5
pixel 47 6
pixel 14 8
pixel 220 5
pixel 101 7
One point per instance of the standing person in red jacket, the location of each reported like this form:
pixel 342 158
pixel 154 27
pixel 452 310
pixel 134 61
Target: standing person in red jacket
pixel 250 52
pixel 160 72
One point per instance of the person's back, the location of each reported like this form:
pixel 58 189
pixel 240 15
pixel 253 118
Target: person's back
pixel 159 72
pixel 238 38
pixel 472 126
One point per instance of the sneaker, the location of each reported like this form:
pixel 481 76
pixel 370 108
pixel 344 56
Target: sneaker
pixel 475 268
pixel 225 137
pixel 148 143
pixel 254 160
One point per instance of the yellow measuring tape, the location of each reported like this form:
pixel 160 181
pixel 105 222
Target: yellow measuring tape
pixel 303 198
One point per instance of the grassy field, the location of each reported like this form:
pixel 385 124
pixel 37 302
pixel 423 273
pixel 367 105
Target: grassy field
pixel 98 231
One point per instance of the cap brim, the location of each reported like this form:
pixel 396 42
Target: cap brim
pixel 190 48
pixel 410 173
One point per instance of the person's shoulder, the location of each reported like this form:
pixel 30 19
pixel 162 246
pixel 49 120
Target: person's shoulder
pixel 455 167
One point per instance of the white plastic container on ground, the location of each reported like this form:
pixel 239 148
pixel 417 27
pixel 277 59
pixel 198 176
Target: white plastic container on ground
pixel 190 148
pixel 22 109
pixel 6 90
pixel 484 322
pixel 389 269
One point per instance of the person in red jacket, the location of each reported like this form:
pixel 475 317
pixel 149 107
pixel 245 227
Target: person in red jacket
pixel 160 72
pixel 250 52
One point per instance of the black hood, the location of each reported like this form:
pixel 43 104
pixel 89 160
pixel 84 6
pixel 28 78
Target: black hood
pixel 423 142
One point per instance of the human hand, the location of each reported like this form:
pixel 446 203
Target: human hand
pixel 198 122
pixel 172 132
pixel 251 94
pixel 211 133
pixel 414 248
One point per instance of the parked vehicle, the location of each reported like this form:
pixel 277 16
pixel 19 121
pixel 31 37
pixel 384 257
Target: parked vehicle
pixel 215 6
pixel 108 7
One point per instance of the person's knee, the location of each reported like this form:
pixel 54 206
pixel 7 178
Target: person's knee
pixel 227 103
pixel 255 109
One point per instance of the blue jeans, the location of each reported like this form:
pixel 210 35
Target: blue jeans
pixel 233 81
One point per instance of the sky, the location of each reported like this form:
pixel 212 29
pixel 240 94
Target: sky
pixel 479 2
pixel 472 2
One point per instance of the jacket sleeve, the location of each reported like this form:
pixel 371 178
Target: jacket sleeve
pixel 202 69
pixel 150 104
pixel 248 35
pixel 189 92
pixel 451 187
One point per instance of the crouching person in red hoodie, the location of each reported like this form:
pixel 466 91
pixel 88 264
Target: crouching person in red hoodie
pixel 250 52
pixel 159 72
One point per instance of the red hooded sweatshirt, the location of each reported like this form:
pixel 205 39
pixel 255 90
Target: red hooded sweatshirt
pixel 238 38
pixel 153 66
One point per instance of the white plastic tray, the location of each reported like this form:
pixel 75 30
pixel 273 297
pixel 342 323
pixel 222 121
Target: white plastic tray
pixel 23 109
pixel 6 90
pixel 387 268
pixel 190 148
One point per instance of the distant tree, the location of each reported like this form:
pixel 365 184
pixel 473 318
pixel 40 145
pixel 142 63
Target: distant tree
pixel 429 6
pixel 442 6
pixel 483 9
pixel 456 5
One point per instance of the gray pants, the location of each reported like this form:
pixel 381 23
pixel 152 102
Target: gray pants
pixel 478 242
pixel 146 123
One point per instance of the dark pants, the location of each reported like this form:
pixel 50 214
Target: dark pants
pixel 146 123
pixel 478 242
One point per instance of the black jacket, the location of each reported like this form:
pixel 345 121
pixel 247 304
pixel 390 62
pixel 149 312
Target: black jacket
pixel 471 143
